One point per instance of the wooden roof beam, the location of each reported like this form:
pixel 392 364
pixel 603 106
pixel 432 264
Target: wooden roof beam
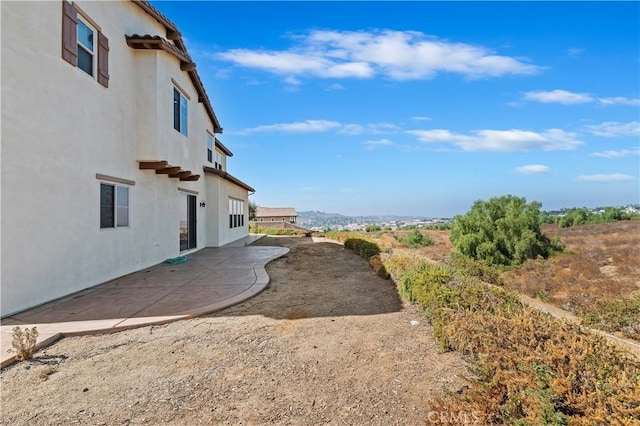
pixel 152 165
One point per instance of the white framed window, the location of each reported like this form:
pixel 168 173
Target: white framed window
pixel 180 113
pixel 114 206
pixel 86 48
pixel 218 162
pixel 210 148
pixel 236 213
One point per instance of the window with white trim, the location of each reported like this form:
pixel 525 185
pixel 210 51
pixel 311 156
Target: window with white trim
pixel 86 53
pixel 83 44
pixel 114 206
pixel 209 148
pixel 218 162
pixel 180 111
pixel 236 213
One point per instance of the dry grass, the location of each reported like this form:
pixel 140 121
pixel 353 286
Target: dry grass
pixel 24 342
pixel 601 267
pixel 529 368
pixel 535 370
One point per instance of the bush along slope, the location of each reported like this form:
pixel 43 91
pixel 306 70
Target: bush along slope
pixel 528 368
pixel 502 231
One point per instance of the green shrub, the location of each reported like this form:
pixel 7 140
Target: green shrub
pixel 502 231
pixel 442 290
pixel 416 239
pixel 278 231
pixel 477 268
pixel 361 247
pixel 372 227
pixel 583 216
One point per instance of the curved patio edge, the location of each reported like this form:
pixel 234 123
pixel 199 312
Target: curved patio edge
pixel 49 333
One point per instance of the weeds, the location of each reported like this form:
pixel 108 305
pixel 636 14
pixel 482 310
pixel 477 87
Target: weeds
pixel 415 239
pixel 47 371
pixel 24 342
pixel 528 368
pixel 362 247
pixel 617 314
pixel 278 231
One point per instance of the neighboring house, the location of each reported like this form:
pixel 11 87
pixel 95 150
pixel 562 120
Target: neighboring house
pixel 276 214
pixel 110 161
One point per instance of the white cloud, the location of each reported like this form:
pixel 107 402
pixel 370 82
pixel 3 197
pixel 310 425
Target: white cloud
pixel 378 128
pixel 317 126
pixel 292 81
pixel 307 126
pixel 614 129
pixel 352 129
pixel 558 96
pixel 371 145
pixel 617 154
pixel 335 86
pixel 399 55
pixel 501 140
pixel 372 128
pixel 533 169
pixel 605 178
pixel 564 97
pixel 421 118
pixel 619 100
pixel 574 52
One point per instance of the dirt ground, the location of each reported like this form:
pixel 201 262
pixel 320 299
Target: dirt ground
pixel 326 342
pixel 603 263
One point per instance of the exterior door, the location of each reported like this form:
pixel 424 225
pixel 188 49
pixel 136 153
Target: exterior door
pixel 187 222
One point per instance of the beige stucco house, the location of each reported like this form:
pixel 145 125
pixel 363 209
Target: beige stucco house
pixel 110 161
pixel 276 214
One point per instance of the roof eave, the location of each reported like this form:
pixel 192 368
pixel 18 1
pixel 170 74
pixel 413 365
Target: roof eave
pixel 226 176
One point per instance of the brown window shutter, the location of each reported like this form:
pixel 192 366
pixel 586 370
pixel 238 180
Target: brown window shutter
pixel 69 33
pixel 103 60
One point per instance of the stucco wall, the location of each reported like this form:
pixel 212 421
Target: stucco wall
pixel 60 128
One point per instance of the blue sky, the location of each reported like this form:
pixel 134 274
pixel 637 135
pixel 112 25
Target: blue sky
pixel 421 108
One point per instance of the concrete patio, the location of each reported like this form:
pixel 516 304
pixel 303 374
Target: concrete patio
pixel 211 279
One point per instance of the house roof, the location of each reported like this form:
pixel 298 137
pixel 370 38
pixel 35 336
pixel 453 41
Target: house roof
pixel 226 176
pixel 275 211
pixel 177 49
pixel 223 148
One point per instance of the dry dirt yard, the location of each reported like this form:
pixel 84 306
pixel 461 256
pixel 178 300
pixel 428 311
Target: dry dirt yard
pixel 326 342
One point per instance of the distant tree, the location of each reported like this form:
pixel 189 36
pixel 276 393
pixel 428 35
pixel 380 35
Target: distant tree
pixel 372 227
pixel 612 214
pixel 546 218
pixel 416 239
pixel 576 217
pixel 502 231
pixel 252 210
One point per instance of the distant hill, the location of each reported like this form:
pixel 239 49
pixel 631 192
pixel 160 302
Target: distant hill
pixel 310 219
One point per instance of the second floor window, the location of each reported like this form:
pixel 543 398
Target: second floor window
pixel 83 45
pixel 209 149
pixel 86 36
pixel 179 112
